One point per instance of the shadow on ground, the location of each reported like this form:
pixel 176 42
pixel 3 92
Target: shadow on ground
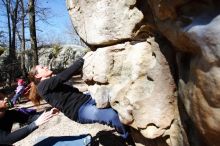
pixel 103 138
pixel 107 138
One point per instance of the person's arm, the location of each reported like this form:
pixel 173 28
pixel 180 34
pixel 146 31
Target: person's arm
pixel 70 71
pixel 53 111
pixel 27 116
pixel 22 117
pixel 10 138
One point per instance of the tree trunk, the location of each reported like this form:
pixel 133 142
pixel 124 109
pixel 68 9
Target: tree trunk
pixel 12 20
pixel 23 68
pixel 33 31
pixel 14 29
pixel 7 6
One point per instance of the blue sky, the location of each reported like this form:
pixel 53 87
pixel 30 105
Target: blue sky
pixel 59 14
pixel 59 22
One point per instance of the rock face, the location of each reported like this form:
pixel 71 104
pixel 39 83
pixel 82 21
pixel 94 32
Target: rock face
pixel 103 21
pixel 60 57
pixel 135 76
pixel 196 35
pixel 8 67
pixel 136 81
pixel 133 72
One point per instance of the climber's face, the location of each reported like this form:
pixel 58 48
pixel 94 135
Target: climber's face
pixel 43 72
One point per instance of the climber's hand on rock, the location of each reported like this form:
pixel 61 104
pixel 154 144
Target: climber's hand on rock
pixel 54 111
pixel 88 54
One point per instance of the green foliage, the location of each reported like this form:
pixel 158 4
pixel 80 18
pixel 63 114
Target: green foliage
pixel 56 50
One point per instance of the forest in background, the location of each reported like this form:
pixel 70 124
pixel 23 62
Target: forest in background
pixel 20 36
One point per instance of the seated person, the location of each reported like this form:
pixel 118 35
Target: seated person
pixel 19 91
pixel 8 117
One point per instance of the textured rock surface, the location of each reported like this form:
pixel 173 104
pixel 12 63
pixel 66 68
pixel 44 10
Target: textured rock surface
pixel 136 80
pixel 132 74
pixel 196 33
pixel 192 28
pixel 134 77
pixel 104 21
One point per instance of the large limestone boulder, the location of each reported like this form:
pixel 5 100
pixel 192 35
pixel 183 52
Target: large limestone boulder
pixel 199 86
pixel 104 21
pixel 192 27
pixel 196 33
pixel 135 79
